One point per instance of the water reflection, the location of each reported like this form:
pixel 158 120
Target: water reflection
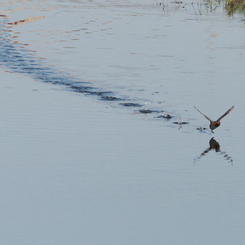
pixel 214 145
pixel 180 123
pixel 16 58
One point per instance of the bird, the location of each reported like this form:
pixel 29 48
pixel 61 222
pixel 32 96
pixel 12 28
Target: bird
pixel 215 124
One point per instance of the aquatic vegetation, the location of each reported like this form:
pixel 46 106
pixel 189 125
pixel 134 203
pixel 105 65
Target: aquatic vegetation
pixel 230 6
pixel 235 6
pixel 165 116
pixel 200 6
pixel 130 104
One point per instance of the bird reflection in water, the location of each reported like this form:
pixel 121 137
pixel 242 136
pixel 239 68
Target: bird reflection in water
pixel 214 145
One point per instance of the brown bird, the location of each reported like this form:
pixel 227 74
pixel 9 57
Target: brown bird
pixel 215 124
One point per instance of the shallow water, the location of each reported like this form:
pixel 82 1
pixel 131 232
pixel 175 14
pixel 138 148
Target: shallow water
pixel 79 168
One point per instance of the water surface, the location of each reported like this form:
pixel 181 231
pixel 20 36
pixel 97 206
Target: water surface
pixel 78 168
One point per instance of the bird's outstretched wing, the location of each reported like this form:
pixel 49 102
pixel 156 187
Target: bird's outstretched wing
pixel 204 115
pixel 226 113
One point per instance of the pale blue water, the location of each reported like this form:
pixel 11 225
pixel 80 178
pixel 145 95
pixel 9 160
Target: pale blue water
pixel 78 167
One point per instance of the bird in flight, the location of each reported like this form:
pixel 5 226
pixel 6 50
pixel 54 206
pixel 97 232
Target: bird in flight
pixel 215 124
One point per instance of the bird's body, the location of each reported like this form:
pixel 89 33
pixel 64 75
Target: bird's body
pixel 215 124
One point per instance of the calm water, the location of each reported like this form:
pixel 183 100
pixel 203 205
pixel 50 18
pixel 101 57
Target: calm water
pixel 80 167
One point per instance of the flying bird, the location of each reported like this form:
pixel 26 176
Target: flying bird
pixel 215 124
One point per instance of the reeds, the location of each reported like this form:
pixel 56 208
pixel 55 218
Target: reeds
pixel 235 6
